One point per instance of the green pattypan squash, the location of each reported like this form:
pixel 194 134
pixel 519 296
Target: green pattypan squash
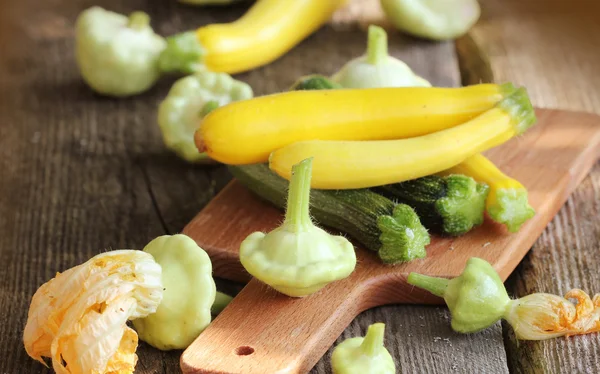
pixel 298 258
pixel 117 55
pixel 432 19
pixel 376 68
pixel 363 355
pixel 189 293
pixel 190 99
pixel 477 298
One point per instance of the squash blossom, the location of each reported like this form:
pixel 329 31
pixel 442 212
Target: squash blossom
pixel 298 258
pixel 363 355
pixel 79 317
pixel 477 299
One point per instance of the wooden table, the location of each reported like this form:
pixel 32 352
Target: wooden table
pixel 80 173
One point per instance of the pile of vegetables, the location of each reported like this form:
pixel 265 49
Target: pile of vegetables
pixel 416 170
pixel 374 152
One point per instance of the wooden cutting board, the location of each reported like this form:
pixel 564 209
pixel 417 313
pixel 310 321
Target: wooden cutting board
pixel 264 332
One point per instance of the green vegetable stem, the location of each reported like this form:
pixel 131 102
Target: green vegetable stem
pixel 189 100
pixel 363 355
pixel 117 55
pixel 376 68
pixel 221 302
pixel 450 205
pixel 298 258
pixel 182 54
pixel 314 82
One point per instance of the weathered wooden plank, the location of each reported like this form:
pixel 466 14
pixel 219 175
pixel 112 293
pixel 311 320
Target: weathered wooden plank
pixel 551 48
pixel 80 173
pixel 72 182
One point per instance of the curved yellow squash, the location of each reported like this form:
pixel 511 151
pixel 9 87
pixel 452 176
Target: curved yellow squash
pixel 246 132
pixel 267 31
pixel 362 164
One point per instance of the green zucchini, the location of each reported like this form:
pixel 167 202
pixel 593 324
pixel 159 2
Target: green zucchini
pixel 314 82
pixel 393 230
pixel 450 205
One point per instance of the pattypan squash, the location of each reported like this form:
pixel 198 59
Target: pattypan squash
pixel 376 68
pixel 189 293
pixel 363 355
pixel 117 55
pixel 432 19
pixel 298 258
pixel 190 99
pixel 477 299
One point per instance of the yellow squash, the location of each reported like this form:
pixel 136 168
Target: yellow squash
pixel 246 132
pixel 267 31
pixel 507 201
pixel 361 164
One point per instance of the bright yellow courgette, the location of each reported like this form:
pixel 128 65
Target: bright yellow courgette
pixel 246 132
pixel 508 201
pixel 361 164
pixel 267 31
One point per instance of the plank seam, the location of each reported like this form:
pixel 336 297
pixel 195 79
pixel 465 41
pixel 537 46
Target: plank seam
pixel 161 218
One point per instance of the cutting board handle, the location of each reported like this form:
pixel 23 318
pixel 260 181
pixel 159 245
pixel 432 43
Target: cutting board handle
pixel 262 331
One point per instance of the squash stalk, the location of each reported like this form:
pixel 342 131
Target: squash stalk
pixel 296 216
pixel 373 341
pixel 377 46
pixel 436 286
pixel 221 302
pixel 138 20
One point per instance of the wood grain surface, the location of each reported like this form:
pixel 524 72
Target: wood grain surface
pixel 552 48
pixel 80 173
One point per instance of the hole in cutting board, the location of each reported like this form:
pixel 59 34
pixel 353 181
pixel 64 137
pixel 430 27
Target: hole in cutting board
pixel 244 350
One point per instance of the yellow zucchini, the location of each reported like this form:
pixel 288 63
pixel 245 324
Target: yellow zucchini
pixel 508 201
pixel 267 31
pixel 246 132
pixel 361 164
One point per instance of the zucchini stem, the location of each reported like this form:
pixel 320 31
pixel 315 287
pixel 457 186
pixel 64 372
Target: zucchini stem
pixel 377 45
pixel 373 341
pixel 138 20
pixel 436 286
pixel 221 301
pixel 296 214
